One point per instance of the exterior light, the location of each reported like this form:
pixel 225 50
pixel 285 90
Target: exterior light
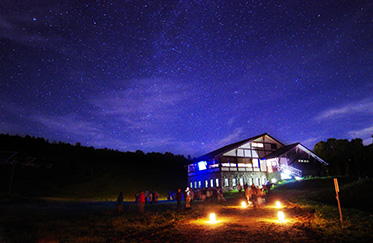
pixel 212 218
pixel 278 204
pixel 281 216
pixel 202 165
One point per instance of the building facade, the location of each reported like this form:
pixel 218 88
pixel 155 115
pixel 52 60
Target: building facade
pixel 256 160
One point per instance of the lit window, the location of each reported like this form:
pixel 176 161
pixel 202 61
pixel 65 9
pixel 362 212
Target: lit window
pixel 195 184
pixel 257 145
pixel 234 182
pixel 211 182
pixel 217 182
pixel 241 181
pixel 206 183
pixel 226 182
pixel 250 181
pixel 303 161
pixel 191 184
pixel 199 184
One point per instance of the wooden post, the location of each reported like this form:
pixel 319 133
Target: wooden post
pixel 339 204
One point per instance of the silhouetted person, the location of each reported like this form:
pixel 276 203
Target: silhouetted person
pixel 178 197
pixel 188 197
pixel 141 203
pixel 120 202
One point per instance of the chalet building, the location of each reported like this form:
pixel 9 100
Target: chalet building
pixel 256 160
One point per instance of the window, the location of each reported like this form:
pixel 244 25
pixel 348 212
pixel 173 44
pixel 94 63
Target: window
pixel 211 182
pixel 257 145
pixel 195 184
pixel 303 161
pixel 234 182
pixel 206 183
pixel 191 184
pixel 241 181
pixel 226 182
pixel 273 146
pixel 217 182
pixel 199 184
pixel 250 181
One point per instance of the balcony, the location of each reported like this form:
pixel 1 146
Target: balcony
pixel 197 169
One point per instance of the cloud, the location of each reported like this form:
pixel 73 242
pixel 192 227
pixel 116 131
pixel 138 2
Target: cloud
pixel 364 133
pixel 232 137
pixel 364 106
pixel 14 29
pixel 144 103
pixel 68 123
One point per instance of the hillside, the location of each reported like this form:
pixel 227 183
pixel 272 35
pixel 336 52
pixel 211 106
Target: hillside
pixel 56 169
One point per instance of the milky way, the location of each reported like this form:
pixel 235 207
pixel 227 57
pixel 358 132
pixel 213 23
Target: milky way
pixel 186 77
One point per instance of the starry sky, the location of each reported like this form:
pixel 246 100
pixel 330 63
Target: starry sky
pixel 186 77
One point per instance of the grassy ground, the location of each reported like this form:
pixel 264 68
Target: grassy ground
pixel 308 220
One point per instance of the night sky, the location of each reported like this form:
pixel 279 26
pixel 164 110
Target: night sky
pixel 186 77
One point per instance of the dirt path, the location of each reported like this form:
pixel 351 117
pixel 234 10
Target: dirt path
pixel 237 224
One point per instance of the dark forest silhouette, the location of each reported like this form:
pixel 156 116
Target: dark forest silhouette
pixel 41 167
pixel 346 158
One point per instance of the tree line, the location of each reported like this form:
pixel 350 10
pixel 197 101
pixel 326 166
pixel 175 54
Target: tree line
pixel 346 158
pixel 60 163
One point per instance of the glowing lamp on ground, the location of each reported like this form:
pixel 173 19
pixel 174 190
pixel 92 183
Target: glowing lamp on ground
pixel 212 218
pixel 281 216
pixel 278 204
pixel 244 204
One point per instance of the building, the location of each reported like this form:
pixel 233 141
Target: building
pixel 256 160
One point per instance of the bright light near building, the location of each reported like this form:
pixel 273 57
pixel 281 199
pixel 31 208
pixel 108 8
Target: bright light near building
pixel 298 178
pixel 278 204
pixel 281 216
pixel 212 218
pixel 286 174
pixel 273 180
pixel 202 165
pixel 244 204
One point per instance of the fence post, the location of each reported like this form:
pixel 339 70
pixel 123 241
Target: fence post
pixel 339 204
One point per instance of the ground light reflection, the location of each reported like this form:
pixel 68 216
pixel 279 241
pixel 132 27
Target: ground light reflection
pixel 278 204
pixel 281 216
pixel 212 218
pixel 244 204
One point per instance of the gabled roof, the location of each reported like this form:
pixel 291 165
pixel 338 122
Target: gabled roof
pixel 231 147
pixel 280 151
pixel 287 148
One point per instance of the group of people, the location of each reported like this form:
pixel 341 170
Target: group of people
pixel 204 194
pixel 254 195
pixel 150 197
pixel 209 194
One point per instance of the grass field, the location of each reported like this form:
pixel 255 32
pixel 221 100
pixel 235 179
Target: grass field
pixel 311 216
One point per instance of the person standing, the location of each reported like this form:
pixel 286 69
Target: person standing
pixel 178 197
pixel 141 203
pixel 188 198
pixel 120 203
pixel 220 195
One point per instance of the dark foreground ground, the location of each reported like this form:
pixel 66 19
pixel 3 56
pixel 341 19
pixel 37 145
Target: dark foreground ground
pixel 88 221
